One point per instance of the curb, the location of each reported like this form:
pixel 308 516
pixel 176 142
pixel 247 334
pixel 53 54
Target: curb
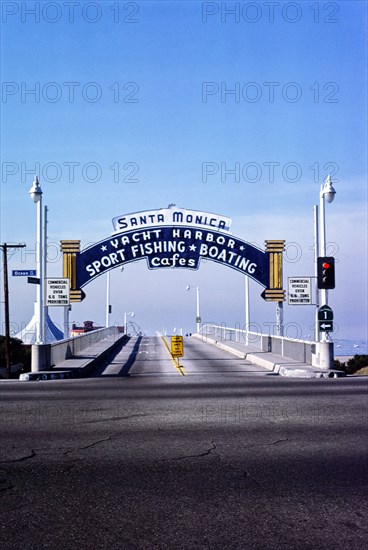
pixel 236 352
pixel 296 371
pixel 46 375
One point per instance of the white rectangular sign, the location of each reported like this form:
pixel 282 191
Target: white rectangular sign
pixel 299 291
pixel 57 292
pixel 171 216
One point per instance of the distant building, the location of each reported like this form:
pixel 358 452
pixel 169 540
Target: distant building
pixel 87 327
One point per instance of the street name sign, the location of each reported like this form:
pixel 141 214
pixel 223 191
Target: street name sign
pixel 57 292
pixel 33 280
pixel 24 273
pixel 177 346
pixel 299 291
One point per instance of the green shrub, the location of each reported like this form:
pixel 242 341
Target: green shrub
pixel 352 365
pixel 356 363
pixel 338 365
pixel 19 353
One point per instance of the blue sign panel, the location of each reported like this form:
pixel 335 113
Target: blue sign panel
pixel 172 247
pixel 24 273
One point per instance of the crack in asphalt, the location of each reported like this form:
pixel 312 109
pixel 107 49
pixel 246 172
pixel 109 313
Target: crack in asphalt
pixel 19 459
pixel 205 453
pixel 88 446
pixel 113 418
pixel 244 473
pixel 200 455
pixel 65 453
pixel 8 488
pixel 72 465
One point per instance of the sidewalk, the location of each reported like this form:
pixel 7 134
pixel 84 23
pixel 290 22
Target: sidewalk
pixel 80 364
pixel 275 363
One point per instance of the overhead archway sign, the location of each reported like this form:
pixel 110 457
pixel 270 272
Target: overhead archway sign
pixel 174 238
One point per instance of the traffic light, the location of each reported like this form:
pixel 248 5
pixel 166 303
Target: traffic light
pixel 326 272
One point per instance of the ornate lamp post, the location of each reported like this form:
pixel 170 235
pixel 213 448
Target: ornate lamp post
pixel 36 196
pixel 198 318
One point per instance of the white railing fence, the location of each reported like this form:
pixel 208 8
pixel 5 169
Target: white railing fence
pixel 293 348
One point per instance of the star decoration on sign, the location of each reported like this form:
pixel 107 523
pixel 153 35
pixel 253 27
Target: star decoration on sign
pixel 192 247
pixel 103 248
pixel 241 247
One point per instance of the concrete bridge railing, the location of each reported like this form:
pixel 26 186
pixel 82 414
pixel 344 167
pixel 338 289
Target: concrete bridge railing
pixel 300 350
pixel 45 356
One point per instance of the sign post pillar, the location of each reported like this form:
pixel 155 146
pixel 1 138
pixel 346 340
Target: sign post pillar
pixel 280 318
pixel 325 325
pixel 247 313
pixel 275 292
pixel 66 322
pixel 198 319
pixel 71 251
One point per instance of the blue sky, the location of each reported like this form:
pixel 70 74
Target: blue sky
pixel 133 106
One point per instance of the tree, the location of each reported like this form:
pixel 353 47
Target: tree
pixel 18 352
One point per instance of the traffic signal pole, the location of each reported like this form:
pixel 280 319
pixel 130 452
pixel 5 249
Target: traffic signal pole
pixel 323 292
pixel 316 251
pixel 325 346
pixel 324 295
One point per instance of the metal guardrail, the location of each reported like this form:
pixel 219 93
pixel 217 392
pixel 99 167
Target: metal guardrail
pixel 300 350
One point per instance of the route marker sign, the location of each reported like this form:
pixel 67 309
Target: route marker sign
pixel 325 326
pixel 177 346
pixel 325 313
pixel 57 292
pixel 299 291
pixel 325 319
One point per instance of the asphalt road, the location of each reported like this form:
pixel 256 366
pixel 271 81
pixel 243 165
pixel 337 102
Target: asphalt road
pixel 219 457
pixel 144 356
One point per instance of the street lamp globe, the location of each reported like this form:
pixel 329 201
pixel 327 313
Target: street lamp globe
pixel 328 192
pixel 35 191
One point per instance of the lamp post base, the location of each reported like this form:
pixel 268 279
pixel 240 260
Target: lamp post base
pixel 325 355
pixel 40 357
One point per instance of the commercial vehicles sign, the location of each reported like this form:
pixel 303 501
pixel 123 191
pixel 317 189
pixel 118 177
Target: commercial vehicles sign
pixel 299 291
pixel 57 292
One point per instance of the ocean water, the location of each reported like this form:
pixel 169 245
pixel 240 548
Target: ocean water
pixel 350 347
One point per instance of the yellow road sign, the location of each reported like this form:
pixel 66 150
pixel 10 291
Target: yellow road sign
pixel 177 347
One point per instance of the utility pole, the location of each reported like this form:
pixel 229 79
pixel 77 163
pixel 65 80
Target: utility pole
pixel 5 247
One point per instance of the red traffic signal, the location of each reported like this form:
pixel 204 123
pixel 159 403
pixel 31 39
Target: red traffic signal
pixel 326 272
